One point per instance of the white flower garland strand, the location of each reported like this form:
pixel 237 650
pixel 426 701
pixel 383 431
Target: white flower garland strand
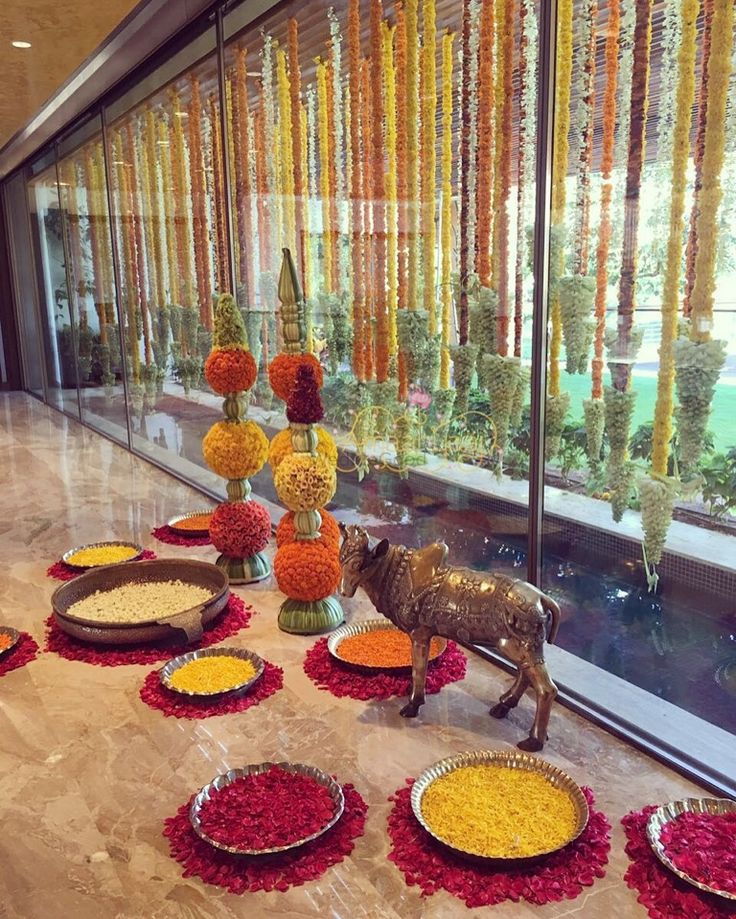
pixel 475 8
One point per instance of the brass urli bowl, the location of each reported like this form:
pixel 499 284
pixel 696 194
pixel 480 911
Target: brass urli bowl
pixel 363 628
pixel 173 524
pixel 169 669
pixel 184 625
pixel 669 812
pixel 221 781
pixel 100 545
pixel 511 760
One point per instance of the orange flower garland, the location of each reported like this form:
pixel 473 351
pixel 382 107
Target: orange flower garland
pixel 307 571
pixel 329 530
pixel 230 370
pixel 283 369
pixel 378 256
pixel 264 236
pixel 356 191
pixel 367 238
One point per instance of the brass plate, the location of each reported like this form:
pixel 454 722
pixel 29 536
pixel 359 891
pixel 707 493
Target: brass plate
pixel 98 545
pixel 14 635
pixel 667 813
pixel 173 524
pixel 512 760
pixel 221 781
pixel 191 621
pixel 362 628
pixel 177 663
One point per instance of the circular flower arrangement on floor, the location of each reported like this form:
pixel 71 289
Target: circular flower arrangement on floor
pixel 307 570
pixel 167 535
pixel 241 873
pixel 305 482
pixel 430 866
pixel 281 447
pixel 235 449
pixel 240 529
pixel 283 369
pixel 328 530
pixel 230 370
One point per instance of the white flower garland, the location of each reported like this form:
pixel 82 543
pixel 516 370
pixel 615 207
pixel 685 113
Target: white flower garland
pixel 475 7
pixel 343 252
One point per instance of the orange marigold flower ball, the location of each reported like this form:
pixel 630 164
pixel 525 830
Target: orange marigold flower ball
pixel 283 369
pixel 235 449
pixel 281 447
pixel 304 482
pixel 230 370
pixel 307 570
pixel 329 530
pixel 240 529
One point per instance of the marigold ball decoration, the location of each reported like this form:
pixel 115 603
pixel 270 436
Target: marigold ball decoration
pixel 305 482
pixel 230 370
pixel 304 405
pixel 282 372
pixel 307 571
pixel 281 447
pixel 235 449
pixel 329 530
pixel 240 529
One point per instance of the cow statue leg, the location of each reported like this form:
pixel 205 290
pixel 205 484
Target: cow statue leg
pixel 420 639
pixel 546 692
pixel 510 699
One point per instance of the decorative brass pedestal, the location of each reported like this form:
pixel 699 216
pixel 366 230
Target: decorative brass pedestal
pixel 302 618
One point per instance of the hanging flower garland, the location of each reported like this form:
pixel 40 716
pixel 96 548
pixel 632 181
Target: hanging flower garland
pixel 412 150
pixel 485 176
pixel 699 359
pixel 199 203
pixel 501 247
pixel 337 131
pixel 154 214
pixel 429 160
pixel 366 89
pixel 521 180
pixel 465 159
pixel 241 140
pixel 169 180
pixel 356 192
pixel 402 181
pixel 137 251
pixel 584 132
pixel 324 173
pixel 295 108
pixel 387 35
pixel 287 151
pixel 130 289
pixel 446 242
pixel 311 142
pixel 90 181
pixel 473 102
pixel 332 166
pixel 267 162
pixel 656 491
pixel 222 261
pixel 576 295
pixel 307 224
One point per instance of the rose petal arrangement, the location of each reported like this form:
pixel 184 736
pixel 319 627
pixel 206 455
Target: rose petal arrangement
pixel 166 535
pixel 704 846
pixel 25 651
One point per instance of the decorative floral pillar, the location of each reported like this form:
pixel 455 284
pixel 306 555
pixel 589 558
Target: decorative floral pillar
pixel 307 566
pixel 236 449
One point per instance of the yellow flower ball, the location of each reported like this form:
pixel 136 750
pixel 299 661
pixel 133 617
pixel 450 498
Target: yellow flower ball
pixel 281 447
pixel 235 449
pixel 305 482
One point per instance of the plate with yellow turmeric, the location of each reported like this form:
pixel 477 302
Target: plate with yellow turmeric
pixel 376 645
pixel 497 805
pixel 100 554
pixel 212 672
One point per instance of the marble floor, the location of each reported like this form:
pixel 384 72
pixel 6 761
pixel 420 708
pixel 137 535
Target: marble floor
pixel 88 772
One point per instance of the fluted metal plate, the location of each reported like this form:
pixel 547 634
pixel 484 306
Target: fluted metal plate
pixel 362 628
pixel 222 781
pixel 511 760
pixel 100 545
pixel 667 813
pixel 173 524
pixel 169 669
pixel 14 636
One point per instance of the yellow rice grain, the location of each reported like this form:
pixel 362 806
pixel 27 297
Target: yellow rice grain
pixel 217 673
pixel 499 812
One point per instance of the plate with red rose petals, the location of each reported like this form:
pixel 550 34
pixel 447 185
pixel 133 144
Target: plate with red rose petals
pixel 696 839
pixel 265 808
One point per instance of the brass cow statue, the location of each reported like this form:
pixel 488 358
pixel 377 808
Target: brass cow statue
pixel 424 596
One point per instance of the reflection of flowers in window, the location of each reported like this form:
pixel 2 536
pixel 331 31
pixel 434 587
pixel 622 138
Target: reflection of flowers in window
pixel 281 447
pixel 328 531
pixel 304 482
pixel 307 571
pixel 235 449
pixel 283 369
pixel 230 370
pixel 240 529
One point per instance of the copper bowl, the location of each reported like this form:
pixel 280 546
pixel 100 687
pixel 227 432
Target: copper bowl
pixel 186 624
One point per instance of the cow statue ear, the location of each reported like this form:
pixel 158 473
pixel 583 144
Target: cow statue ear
pixel 381 549
pixel 342 527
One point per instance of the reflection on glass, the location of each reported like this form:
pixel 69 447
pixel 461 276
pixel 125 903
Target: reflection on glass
pixel 641 443
pixel 92 284
pixel 57 330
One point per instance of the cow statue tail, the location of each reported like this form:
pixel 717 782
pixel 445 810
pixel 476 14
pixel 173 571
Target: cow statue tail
pixel 554 617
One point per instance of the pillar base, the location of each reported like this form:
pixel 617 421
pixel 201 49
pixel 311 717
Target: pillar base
pixel 300 617
pixel 245 570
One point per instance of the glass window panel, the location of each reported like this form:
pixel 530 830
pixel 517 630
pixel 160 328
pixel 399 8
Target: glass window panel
pixel 24 282
pixel 639 506
pixel 92 283
pixel 57 331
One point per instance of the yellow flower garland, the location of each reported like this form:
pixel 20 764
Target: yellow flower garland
pixel 304 482
pixel 446 241
pixel 287 155
pixel 387 33
pixel 662 431
pixel 235 449
pixel 306 247
pixel 412 152
pixel 429 159
pixel 168 215
pixel 150 217
pixel 719 75
pixel 324 171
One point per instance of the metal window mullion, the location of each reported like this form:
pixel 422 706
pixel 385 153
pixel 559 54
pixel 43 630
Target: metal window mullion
pixel 116 274
pixel 542 213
